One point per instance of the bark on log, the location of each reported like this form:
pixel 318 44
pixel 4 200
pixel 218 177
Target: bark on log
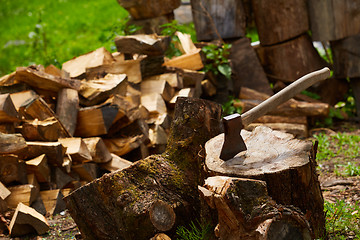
pixel 346 55
pixel 246 68
pixel 245 211
pixel 117 205
pixel 333 20
pixel 280 20
pixel 299 54
pixel 214 19
pixel 286 164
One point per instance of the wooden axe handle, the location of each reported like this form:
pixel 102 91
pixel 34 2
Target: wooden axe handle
pixel 284 95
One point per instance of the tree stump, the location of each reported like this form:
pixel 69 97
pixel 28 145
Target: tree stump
pixel 130 204
pixel 280 20
pixel 286 164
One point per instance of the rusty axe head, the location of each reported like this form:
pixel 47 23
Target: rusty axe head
pixel 233 142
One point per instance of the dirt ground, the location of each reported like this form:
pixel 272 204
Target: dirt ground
pixel 334 187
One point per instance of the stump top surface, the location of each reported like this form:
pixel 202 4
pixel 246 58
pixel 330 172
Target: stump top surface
pixel 269 151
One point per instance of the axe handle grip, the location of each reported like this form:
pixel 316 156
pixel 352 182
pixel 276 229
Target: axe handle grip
pixel 284 95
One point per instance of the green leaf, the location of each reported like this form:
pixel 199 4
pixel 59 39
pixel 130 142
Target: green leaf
pixel 225 70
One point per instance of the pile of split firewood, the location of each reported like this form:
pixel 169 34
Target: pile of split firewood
pixel 61 129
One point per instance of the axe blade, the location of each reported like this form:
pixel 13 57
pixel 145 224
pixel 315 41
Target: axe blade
pixel 233 142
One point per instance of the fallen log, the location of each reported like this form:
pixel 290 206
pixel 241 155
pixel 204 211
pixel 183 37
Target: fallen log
pixel 118 205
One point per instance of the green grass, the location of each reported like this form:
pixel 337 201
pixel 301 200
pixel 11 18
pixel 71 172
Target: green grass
pixel 346 146
pixel 342 220
pixel 52 32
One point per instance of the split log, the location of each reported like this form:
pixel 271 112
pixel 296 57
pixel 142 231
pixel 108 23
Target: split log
pixel 346 55
pixel 299 53
pixel 116 164
pixel 208 88
pixel 149 44
pixel 95 120
pixel 246 68
pixel 151 65
pixel 157 86
pixel 38 109
pixel 12 169
pixel 39 167
pixel 48 130
pixel 8 112
pixel 45 81
pixel 53 201
pixel 185 44
pixel 11 143
pixel 129 67
pixel 23 98
pixel 54 151
pixel 25 194
pixel 286 164
pixel 4 192
pixel 214 19
pixel 191 78
pixel 86 171
pixel 185 92
pixel 78 65
pixel 154 103
pixel 98 150
pixel 51 69
pixel 245 211
pixel 60 178
pixel 67 108
pixel 173 79
pixel 334 20
pixel 124 145
pixel 289 17
pixel 96 91
pixel 27 220
pixel 140 9
pixel 173 178
pixel 190 61
pixel 77 149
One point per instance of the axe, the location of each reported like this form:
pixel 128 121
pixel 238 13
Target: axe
pixel 233 143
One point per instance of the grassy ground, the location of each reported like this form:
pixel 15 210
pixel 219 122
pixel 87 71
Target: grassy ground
pixel 55 31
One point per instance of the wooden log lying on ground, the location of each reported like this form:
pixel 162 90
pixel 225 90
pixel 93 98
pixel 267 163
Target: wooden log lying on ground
pixel 245 211
pixel 132 192
pixel 286 164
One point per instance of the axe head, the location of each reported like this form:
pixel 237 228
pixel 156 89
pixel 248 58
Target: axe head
pixel 233 142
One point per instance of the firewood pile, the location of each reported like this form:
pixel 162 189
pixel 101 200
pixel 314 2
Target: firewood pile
pixel 61 129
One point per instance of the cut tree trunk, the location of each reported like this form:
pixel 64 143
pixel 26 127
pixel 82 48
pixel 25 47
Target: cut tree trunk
pixel 214 19
pixel 346 55
pixel 280 20
pixel 333 19
pixel 286 164
pixel 121 205
pixel 246 68
pixel 299 54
